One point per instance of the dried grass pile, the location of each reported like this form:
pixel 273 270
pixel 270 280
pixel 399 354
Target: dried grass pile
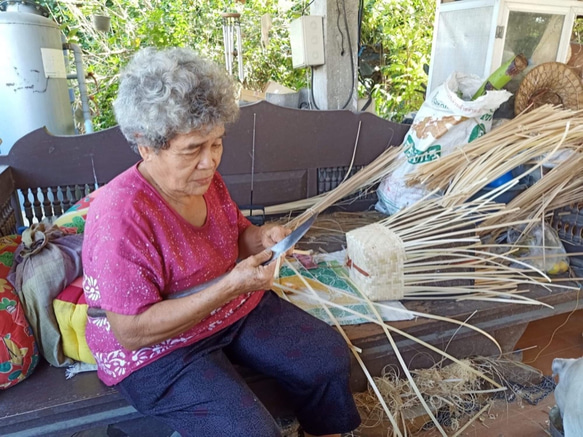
pixel 451 391
pixel 455 394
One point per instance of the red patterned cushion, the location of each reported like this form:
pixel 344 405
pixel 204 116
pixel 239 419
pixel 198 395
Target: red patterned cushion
pixel 73 220
pixel 18 349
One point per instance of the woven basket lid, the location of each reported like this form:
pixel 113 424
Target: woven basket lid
pixel 552 83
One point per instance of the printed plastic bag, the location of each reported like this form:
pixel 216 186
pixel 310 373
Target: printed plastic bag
pixel 446 120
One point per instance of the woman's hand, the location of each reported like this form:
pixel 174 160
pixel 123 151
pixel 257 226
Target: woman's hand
pixel 272 234
pixel 251 275
pixel 254 239
pixel 170 317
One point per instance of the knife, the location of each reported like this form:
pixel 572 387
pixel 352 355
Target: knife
pixel 288 242
pixel 277 250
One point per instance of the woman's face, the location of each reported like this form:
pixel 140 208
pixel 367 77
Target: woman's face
pixel 186 167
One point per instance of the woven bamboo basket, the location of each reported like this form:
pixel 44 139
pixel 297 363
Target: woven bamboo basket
pixel 552 83
pixel 376 259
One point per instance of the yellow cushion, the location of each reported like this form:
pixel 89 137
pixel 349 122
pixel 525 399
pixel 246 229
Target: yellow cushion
pixel 71 312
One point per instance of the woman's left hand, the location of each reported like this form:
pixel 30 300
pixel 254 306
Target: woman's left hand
pixel 254 239
pixel 272 234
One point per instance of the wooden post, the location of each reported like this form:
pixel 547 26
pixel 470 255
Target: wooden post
pixel 335 83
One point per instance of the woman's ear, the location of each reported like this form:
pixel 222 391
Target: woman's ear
pixel 146 152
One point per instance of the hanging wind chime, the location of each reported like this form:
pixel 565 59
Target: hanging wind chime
pixel 232 35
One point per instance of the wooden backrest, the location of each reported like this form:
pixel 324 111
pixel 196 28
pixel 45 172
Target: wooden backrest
pixel 271 155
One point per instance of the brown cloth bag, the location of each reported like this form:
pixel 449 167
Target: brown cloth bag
pixel 46 262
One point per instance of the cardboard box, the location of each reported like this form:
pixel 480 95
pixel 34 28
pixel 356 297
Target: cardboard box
pixel 251 95
pixel 276 88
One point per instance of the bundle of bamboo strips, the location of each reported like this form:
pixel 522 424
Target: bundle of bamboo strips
pixel 443 248
pixel 561 186
pixel 366 177
pixel 469 168
pixel 539 133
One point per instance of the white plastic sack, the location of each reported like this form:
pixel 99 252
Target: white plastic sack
pixel 447 119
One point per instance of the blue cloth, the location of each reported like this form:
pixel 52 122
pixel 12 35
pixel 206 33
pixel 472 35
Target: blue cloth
pixel 197 391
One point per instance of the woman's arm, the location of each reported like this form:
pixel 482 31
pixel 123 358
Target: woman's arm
pixel 171 317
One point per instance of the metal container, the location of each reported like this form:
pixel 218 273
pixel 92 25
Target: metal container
pixel 33 83
pixel 556 422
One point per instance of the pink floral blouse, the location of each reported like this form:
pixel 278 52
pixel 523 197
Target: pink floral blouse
pixel 137 250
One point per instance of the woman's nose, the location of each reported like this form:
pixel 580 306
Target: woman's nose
pixel 206 158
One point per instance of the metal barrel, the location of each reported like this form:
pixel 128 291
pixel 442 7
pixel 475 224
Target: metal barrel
pixel 33 84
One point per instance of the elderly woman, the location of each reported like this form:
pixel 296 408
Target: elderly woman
pixel 168 224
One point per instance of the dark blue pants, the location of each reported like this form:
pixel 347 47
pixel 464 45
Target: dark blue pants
pixel 197 391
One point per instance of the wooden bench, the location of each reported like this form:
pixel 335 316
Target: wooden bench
pixel 294 154
pixel 271 155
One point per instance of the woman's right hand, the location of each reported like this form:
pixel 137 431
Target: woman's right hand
pixel 251 275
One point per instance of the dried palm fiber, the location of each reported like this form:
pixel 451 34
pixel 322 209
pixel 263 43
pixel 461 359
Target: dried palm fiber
pixel 450 388
pixel 465 171
pixel 551 83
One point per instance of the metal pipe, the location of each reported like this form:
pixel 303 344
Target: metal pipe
pixel 240 52
pixel 230 47
pixel 80 73
pixel 226 44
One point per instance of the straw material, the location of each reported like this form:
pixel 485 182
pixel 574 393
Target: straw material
pixel 376 258
pixel 542 132
pixel 552 83
pixel 560 187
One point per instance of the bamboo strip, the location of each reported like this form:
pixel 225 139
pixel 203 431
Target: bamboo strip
pixel 319 299
pixel 478 414
pixel 356 355
pixel 414 313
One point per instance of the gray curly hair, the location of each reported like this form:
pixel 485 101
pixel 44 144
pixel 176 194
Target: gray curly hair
pixel 164 93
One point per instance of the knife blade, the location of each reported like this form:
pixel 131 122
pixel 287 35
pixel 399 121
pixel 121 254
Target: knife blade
pixel 289 241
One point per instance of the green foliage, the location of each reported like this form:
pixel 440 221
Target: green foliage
pixel 577 35
pixel 399 29
pixel 401 33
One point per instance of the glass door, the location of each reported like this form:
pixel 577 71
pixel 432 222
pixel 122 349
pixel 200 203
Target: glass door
pixel 539 32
